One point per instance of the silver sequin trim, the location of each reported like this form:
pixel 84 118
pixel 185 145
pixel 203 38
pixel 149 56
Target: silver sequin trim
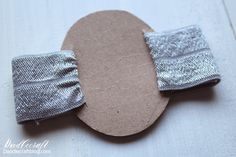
pixel 182 58
pixel 45 85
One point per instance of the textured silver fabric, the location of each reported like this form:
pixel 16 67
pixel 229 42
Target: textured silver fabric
pixel 45 85
pixel 182 58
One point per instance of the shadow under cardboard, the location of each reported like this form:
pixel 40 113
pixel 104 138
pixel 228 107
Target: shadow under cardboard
pixel 69 120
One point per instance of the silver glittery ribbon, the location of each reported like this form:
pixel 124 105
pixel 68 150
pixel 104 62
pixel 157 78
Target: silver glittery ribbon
pixel 45 85
pixel 182 58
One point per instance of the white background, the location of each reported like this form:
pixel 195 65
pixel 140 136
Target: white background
pixel 197 123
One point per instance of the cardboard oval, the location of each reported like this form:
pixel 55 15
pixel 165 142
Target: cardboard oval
pixel 116 72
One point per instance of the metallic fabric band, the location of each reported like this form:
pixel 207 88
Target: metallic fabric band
pixel 182 58
pixel 45 85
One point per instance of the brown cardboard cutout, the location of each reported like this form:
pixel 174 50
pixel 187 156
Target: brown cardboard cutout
pixel 116 73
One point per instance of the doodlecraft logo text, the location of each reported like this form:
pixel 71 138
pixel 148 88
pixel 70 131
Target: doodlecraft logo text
pixel 26 147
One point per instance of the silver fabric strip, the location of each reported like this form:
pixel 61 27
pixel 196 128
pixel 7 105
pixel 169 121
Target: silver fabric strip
pixel 182 58
pixel 45 85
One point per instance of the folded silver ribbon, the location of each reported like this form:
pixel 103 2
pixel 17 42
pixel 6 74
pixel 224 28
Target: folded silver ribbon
pixel 182 58
pixel 45 85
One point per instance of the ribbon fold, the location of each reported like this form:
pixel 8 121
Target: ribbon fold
pixel 45 85
pixel 182 58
